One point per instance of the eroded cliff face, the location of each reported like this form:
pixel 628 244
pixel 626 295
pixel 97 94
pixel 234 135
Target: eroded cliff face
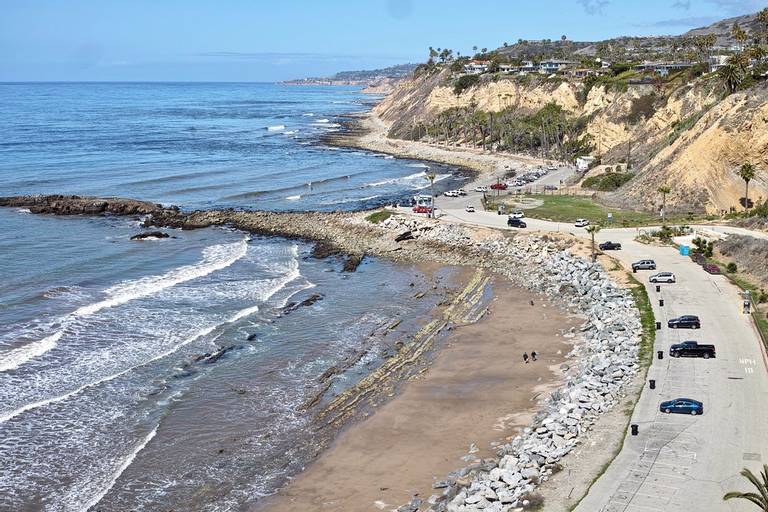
pixel 689 138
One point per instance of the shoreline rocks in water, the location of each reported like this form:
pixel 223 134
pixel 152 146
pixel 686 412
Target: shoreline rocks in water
pixel 150 235
pixel 82 205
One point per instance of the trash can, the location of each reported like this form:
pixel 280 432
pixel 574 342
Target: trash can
pixel 652 383
pixel 658 326
pixel 660 354
pixel 684 250
pixel 661 302
pixel 634 429
pixel 658 287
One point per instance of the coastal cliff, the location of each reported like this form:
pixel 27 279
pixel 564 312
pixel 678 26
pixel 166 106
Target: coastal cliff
pixel 686 134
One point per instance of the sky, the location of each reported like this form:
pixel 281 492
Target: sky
pixel 271 40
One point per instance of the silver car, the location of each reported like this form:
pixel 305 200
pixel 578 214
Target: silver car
pixel 662 277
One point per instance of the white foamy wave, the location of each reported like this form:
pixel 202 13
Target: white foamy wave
pixel 127 461
pixel 23 210
pixel 389 157
pixel 293 198
pixel 15 358
pixel 420 166
pixel 439 177
pixel 308 114
pixel 272 287
pixel 275 128
pixel 215 258
pixel 290 132
pixel 322 121
pixel 402 180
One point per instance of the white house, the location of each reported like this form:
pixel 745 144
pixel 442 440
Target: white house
pixel 553 66
pixel 583 163
pixel 476 67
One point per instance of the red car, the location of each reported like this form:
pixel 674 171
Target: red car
pixel 499 186
pixel 712 269
pixel 422 209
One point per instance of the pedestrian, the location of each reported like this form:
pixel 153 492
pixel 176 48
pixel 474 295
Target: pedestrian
pixel 525 357
pixel 534 355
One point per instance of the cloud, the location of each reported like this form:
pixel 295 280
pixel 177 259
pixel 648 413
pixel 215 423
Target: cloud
pixel 688 22
pixel 593 7
pixel 682 4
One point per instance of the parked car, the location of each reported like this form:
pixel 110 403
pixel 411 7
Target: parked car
pixel 711 268
pixel 517 214
pixel 451 193
pixel 662 277
pixel 550 187
pixel 469 209
pixel 582 223
pixel 461 192
pixel 644 265
pixel 682 406
pixel 422 209
pixel 685 322
pixel 516 223
pixel 610 246
pixel 692 349
pixel 481 189
pixel 499 186
pixel 551 168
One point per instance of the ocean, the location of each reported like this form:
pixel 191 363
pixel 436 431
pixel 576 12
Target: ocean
pixel 170 374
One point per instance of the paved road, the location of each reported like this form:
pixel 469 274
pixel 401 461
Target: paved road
pixel 678 462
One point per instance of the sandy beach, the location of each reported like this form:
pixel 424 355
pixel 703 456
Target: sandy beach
pixel 477 391
pixel 371 134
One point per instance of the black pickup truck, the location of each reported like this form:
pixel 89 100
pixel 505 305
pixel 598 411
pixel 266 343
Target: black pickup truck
pixel 692 349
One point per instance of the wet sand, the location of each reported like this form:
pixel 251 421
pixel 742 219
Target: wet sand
pixel 477 390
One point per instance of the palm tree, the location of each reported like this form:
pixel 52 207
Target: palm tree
pixel 663 190
pixel 592 230
pixel 759 498
pixel 731 74
pixel 747 173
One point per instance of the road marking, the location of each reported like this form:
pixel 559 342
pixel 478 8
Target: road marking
pixel 747 369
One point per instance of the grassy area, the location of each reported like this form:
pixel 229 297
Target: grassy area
pixel 569 208
pixel 379 216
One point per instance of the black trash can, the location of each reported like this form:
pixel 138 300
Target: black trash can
pixel 660 354
pixel 658 326
pixel 661 302
pixel 658 287
pixel 652 383
pixel 634 270
pixel 634 429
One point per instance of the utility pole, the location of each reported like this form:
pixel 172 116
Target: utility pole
pixel 629 152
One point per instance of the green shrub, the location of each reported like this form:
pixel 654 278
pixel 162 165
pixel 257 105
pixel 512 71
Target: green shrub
pixel 464 82
pixel 642 108
pixel 607 181
pixel 731 268
pixel 379 216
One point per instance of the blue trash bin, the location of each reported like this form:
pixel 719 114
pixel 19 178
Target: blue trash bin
pixel 684 250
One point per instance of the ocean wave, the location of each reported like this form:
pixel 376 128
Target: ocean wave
pixel 126 462
pixel 293 198
pixel 267 291
pixel 308 114
pixel 23 210
pixel 14 358
pixel 275 128
pixel 399 180
pixel 419 166
pixel 322 121
pixel 215 258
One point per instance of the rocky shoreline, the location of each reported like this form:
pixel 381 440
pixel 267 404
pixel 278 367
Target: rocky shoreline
pixel 605 356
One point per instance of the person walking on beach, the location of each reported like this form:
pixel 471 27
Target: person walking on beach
pixel 525 357
pixel 534 355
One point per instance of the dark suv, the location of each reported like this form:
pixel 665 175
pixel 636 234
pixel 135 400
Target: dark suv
pixel 644 265
pixel 516 223
pixel 685 322
pixel 610 246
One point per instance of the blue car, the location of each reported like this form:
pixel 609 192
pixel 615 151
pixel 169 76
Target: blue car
pixel 682 406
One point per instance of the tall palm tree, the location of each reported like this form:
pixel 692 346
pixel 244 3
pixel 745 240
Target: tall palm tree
pixel 747 173
pixel 592 230
pixel 663 190
pixel 759 498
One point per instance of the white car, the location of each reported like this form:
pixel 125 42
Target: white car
pixel 469 209
pixel 517 214
pixel 662 277
pixel 461 192
pixel 451 193
pixel 481 189
pixel 551 168
pixel 582 223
